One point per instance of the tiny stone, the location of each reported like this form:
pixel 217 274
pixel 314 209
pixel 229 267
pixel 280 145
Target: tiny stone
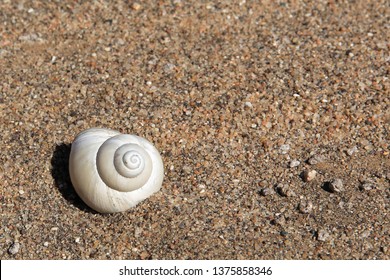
pixel 316 159
pixel 336 185
pixel 21 191
pixel 369 147
pixel 381 45
pixel 14 249
pixel 46 244
pixel 138 232
pixel 283 233
pixel 309 175
pixel 136 6
pixel 284 190
pixel 367 186
pixel 267 191
pixel 352 150
pixel 323 235
pixel 284 149
pixel 169 68
pixel 144 255
pixel 305 207
pixel 295 41
pixel 365 234
pixel 294 163
pixel 77 240
pixel 248 104
pixel 187 169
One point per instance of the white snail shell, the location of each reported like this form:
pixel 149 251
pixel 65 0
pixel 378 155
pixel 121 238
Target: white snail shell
pixel 113 172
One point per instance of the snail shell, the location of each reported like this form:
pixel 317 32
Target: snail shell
pixel 113 172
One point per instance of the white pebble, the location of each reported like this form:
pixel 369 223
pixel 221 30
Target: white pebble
pixel 309 175
pixel 323 235
pixel 248 104
pixel 367 186
pixel 294 163
pixel 336 185
pixel 14 249
pixel 305 206
pixel 352 150
pixel 284 149
pixel 316 159
pixel 267 191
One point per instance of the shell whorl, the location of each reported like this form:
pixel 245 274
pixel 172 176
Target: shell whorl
pixel 112 172
pixel 123 165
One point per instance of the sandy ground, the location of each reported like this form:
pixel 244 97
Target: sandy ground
pixel 244 99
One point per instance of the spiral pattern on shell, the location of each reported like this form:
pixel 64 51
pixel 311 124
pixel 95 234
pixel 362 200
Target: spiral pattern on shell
pixel 112 172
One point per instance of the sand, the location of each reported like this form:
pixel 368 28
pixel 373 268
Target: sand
pixel 257 109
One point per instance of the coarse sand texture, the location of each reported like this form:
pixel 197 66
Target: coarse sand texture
pixel 271 118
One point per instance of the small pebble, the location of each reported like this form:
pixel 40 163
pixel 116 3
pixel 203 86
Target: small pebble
pixel 267 191
pixel 365 234
pixel 284 190
pixel 144 255
pixel 367 186
pixel 46 244
pixel 336 185
pixel 323 235
pixel 14 249
pixel 294 163
pixel 187 169
pixel 283 233
pixel 308 175
pixel 248 104
pixel 169 68
pixel 316 159
pixel 352 150
pixel 136 6
pixel 284 149
pixel 305 207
